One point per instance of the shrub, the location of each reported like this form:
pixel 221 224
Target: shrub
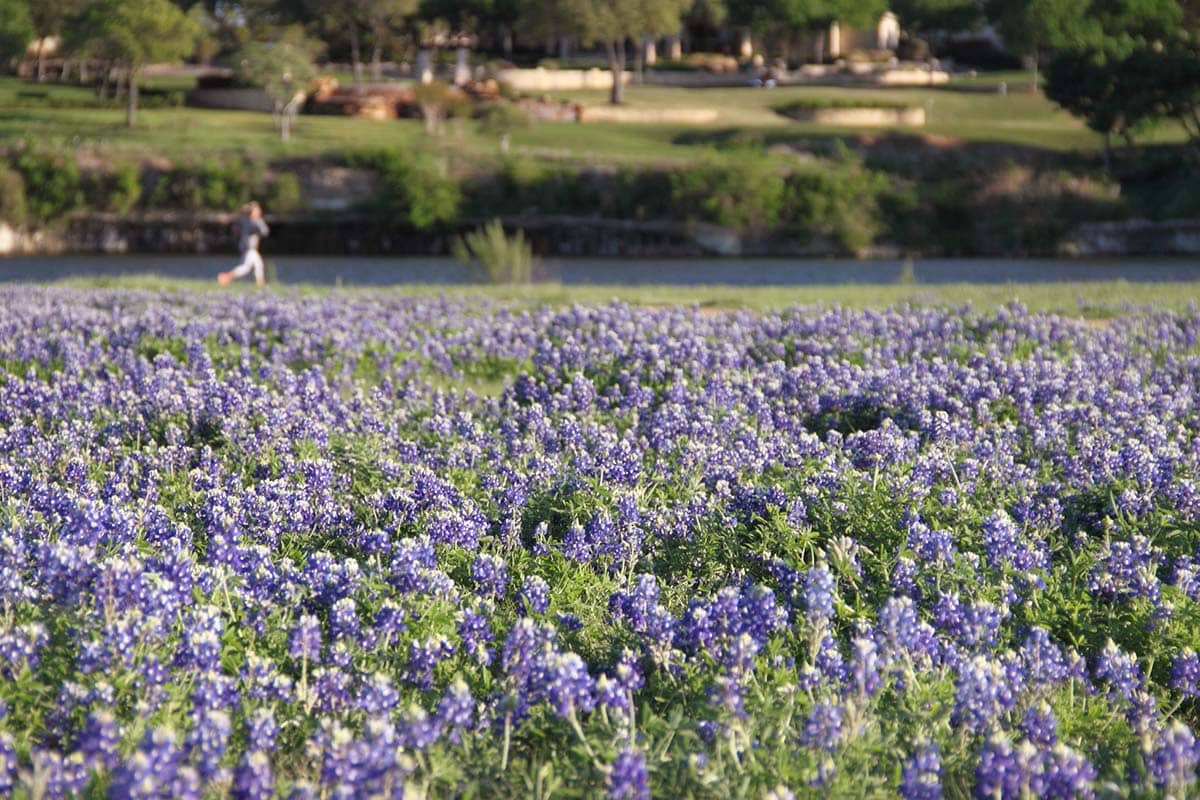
pixel 12 197
pixel 435 99
pixel 500 120
pixel 208 185
pixel 494 256
pixel 744 193
pixel 123 189
pixel 53 185
pixel 414 188
pixel 840 200
pixel 284 194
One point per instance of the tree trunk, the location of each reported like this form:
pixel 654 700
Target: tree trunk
pixel 377 54
pixel 1033 72
pixel 84 72
pixel 616 65
pixel 41 60
pixel 131 107
pixel 65 74
pixel 356 54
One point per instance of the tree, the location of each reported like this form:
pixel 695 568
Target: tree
pixel 283 69
pixel 208 43
pixel 50 18
pixel 16 29
pixel 1124 88
pixel 500 119
pixel 608 22
pixel 340 18
pixel 382 18
pixel 938 15
pixel 132 34
pixel 1033 27
pixel 781 20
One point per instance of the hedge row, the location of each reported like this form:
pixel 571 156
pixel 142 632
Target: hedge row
pixel 956 209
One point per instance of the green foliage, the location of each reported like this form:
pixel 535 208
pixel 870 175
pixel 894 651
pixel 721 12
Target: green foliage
pixel 12 197
pixel 284 194
pixel 494 256
pixel 122 189
pixel 414 188
pixel 501 119
pixel 209 185
pixel 776 17
pixel 438 100
pixel 938 15
pixel 746 193
pixel 16 29
pixel 53 185
pixel 1126 86
pixel 840 200
pixel 132 32
pixel 281 68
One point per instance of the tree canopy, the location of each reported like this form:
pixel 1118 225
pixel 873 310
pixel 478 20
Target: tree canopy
pixel 608 22
pixel 16 28
pixel 1138 61
pixel 920 16
pixel 132 34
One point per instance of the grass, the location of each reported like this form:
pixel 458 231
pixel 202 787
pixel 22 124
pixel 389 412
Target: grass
pixel 959 112
pixel 1091 300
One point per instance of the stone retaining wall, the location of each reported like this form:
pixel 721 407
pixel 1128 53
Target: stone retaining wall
pixel 557 80
pixel 860 117
pixel 653 116
pixel 1176 237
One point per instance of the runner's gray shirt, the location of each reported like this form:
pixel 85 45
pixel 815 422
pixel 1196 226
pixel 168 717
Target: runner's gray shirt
pixel 250 231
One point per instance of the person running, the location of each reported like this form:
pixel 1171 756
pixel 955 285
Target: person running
pixel 251 229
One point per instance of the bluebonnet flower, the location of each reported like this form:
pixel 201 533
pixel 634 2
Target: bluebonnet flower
pixel 534 597
pixel 207 742
pixel 823 728
pixel 456 709
pixel 628 778
pixel 490 575
pixel 981 692
pixel 305 642
pixel 1119 670
pixel 100 740
pixel 1040 726
pixel 1006 546
pixel 253 779
pixel 262 730
pixel 1185 673
pixel 921 778
pixel 1172 756
pixel 8 763
pixel 1127 570
pixel 819 587
pixel 476 634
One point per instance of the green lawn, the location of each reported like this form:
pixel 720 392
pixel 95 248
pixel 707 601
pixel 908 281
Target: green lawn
pixel 1093 300
pixel 960 112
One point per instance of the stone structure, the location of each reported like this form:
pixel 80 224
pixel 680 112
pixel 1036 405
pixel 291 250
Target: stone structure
pixel 865 117
pixel 557 80
pixel 654 116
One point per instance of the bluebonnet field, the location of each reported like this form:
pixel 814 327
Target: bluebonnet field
pixel 354 545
